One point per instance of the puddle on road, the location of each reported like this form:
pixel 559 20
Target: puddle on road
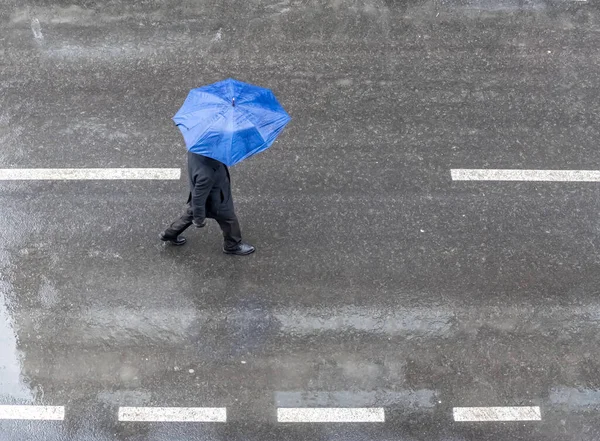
pixel 12 386
pixel 405 399
pixel 575 398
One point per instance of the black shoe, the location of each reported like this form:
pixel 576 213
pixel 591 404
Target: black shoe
pixel 177 241
pixel 242 249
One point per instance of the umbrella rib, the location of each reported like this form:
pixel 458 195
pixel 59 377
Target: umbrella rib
pixel 202 110
pixel 211 93
pixel 246 114
pixel 210 124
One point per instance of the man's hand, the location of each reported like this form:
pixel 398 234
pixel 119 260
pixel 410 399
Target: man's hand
pixel 199 224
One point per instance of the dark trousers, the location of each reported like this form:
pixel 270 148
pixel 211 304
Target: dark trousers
pixel 229 225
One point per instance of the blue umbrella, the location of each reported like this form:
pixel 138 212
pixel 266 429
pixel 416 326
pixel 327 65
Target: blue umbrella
pixel 230 121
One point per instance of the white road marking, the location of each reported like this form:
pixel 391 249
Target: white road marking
pixel 17 412
pixel 519 413
pixel 174 414
pixel 75 174
pixel 36 28
pixel 330 415
pixel 461 174
pixel 218 36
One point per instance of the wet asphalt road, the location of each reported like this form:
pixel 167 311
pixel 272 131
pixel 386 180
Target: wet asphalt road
pixel 378 282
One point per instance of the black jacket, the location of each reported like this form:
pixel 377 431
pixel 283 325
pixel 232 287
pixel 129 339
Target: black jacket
pixel 210 188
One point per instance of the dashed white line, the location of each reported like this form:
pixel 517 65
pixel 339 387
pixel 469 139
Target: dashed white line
pixel 23 412
pixel 461 174
pixel 75 174
pixel 174 414
pixel 518 413
pixel 330 415
pixel 36 28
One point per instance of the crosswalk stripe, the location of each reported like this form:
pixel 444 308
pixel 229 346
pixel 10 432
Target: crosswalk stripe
pixel 518 413
pixel 174 414
pixel 24 412
pixel 525 175
pixel 87 174
pixel 330 415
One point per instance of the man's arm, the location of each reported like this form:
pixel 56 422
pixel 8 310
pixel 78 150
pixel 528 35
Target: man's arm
pixel 202 187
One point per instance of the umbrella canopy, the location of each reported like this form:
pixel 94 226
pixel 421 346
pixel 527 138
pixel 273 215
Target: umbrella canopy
pixel 230 120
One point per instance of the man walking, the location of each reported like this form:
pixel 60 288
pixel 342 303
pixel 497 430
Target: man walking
pixel 210 197
pixel 222 124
